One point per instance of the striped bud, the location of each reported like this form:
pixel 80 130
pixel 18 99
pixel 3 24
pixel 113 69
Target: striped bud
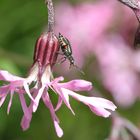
pixel 46 50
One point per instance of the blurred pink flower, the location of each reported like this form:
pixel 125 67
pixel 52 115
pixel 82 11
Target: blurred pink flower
pixel 125 15
pixel 84 24
pixel 135 6
pixel 119 75
pixel 123 129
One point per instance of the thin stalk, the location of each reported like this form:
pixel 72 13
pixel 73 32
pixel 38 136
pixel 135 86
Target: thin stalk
pixel 51 18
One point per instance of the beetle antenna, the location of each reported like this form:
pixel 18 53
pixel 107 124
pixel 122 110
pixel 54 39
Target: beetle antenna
pixel 73 65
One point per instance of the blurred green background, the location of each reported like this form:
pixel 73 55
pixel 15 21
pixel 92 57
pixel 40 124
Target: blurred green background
pixel 21 22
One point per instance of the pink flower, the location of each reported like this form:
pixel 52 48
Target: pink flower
pixel 123 129
pixel 45 56
pixel 118 68
pixel 99 106
pixel 40 80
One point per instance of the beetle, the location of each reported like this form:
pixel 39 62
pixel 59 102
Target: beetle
pixel 66 49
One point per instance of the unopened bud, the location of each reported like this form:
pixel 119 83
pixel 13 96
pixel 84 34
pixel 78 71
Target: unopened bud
pixel 46 50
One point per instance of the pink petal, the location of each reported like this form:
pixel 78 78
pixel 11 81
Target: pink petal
pixel 10 102
pixel 4 90
pixel 26 87
pixel 39 94
pixel 58 79
pixel 2 100
pixel 97 105
pixel 77 85
pixel 60 101
pixel 100 111
pixel 6 76
pixel 101 102
pixel 3 93
pixel 25 122
pixel 59 131
pixel 48 103
pixel 24 106
pixel 64 97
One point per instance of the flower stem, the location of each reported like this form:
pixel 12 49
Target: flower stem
pixel 49 4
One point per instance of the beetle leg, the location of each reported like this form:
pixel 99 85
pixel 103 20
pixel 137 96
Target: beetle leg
pixel 63 59
pixel 60 53
pixel 73 65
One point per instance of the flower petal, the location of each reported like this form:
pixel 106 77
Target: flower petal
pixel 6 76
pixel 77 85
pixel 24 106
pixel 4 90
pixel 101 102
pixel 97 105
pixel 59 103
pixel 10 102
pixel 64 97
pixel 2 100
pixel 49 105
pixel 26 87
pixel 39 94
pixel 58 129
pixel 58 79
pixel 25 122
pixel 99 111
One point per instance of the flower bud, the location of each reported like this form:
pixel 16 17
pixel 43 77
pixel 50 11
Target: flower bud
pixel 46 50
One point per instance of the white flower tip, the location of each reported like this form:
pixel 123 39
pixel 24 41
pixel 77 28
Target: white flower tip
pixel 115 107
pixel 60 134
pixel 35 107
pixel 107 115
pixel 61 78
pixel 26 87
pixel 112 107
pixel 58 129
pixel 8 112
pixel 73 112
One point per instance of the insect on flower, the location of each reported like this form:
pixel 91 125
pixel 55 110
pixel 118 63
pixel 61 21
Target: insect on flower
pixel 66 48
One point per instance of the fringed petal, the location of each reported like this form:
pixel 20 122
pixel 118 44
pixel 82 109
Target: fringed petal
pixel 97 105
pixel 26 87
pixel 24 106
pixel 64 97
pixel 49 105
pixel 59 103
pixel 6 76
pixel 37 99
pixel 10 102
pixel 77 85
